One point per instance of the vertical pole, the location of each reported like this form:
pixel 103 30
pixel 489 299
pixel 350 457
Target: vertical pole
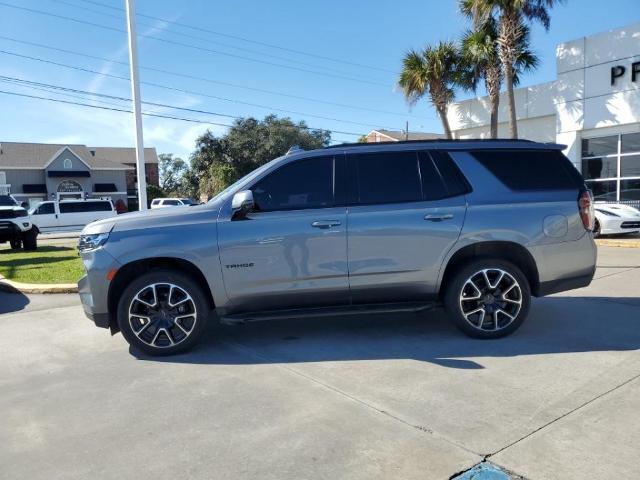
pixel 406 131
pixel 135 95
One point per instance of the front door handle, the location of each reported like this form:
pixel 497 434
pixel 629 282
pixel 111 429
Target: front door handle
pixel 325 223
pixel 438 217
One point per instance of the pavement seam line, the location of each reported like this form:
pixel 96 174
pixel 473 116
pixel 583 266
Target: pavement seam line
pixel 615 273
pixel 566 414
pixel 22 312
pixel 350 397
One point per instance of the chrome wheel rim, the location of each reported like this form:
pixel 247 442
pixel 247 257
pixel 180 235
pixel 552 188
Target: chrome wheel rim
pixel 162 315
pixel 490 299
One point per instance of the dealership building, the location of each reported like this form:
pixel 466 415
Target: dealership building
pixel 593 107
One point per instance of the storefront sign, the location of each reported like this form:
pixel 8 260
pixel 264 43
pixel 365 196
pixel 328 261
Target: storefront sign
pixel 619 71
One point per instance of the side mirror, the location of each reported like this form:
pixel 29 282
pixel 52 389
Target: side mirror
pixel 242 203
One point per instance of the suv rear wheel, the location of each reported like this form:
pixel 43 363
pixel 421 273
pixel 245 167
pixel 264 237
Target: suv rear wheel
pixel 162 312
pixel 488 298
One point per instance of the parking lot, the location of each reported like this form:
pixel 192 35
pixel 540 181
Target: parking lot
pixel 402 396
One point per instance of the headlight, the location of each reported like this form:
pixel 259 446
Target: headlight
pixel 91 242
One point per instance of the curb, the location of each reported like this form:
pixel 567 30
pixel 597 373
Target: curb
pixel 17 287
pixel 618 243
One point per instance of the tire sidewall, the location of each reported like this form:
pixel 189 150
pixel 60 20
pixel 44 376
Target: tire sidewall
pixel 163 276
pixel 454 289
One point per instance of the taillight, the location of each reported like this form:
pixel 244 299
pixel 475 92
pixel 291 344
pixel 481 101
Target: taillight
pixel 585 207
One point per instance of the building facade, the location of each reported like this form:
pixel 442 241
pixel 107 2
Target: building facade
pixel 593 107
pixel 382 135
pixel 33 172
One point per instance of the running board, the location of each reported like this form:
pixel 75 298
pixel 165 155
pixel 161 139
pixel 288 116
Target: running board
pixel 247 317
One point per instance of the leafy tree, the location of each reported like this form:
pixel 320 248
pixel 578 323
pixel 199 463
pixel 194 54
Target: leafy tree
pixel 513 16
pixel 479 48
pixel 219 161
pixel 172 171
pixel 434 71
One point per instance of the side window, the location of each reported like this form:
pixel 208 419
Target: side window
pixel 391 177
pixel 171 202
pixel 528 170
pixel 45 209
pixel 455 182
pixel 433 187
pixel 67 207
pixel 155 202
pixel 298 185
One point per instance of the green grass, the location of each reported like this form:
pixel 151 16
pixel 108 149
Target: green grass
pixel 48 264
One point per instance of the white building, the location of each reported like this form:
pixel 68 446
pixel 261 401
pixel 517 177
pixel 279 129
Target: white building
pixel 593 107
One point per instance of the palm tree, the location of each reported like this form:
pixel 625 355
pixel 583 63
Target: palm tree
pixel 512 16
pixel 434 72
pixel 480 54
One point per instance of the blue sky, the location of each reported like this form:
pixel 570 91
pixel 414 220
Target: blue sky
pixel 371 33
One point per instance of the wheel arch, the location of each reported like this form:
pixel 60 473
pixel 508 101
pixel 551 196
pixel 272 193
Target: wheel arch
pixel 134 269
pixel 505 250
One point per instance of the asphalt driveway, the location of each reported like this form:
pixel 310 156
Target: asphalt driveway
pixel 385 396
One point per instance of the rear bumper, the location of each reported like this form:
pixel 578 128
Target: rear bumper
pixel 565 266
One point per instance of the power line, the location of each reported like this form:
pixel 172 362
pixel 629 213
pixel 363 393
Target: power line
pixel 180 90
pixel 29 83
pixel 203 39
pixel 212 81
pixel 248 40
pixel 195 47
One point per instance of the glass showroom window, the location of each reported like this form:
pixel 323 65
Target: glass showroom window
pixel 611 167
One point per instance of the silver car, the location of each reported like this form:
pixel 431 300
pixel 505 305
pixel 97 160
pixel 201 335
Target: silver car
pixel 477 226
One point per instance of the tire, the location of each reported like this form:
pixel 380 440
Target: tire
pixel 505 299
pixel 596 229
pixel 30 240
pixel 154 332
pixel 15 243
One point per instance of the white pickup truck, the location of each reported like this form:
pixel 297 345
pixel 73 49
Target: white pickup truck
pixel 15 225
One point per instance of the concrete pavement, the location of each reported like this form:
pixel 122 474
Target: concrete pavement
pixel 402 396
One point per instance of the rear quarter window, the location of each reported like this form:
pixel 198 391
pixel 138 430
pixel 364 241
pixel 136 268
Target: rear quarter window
pixel 530 170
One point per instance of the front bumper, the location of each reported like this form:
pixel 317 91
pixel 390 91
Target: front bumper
pixel 93 288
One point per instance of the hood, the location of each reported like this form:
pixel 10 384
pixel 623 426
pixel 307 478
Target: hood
pixel 155 218
pixel 618 210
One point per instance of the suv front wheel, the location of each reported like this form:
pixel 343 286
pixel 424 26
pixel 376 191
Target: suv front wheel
pixel 488 298
pixel 163 312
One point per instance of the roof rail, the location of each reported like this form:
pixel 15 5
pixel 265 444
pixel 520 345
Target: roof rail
pixel 294 149
pixel 435 140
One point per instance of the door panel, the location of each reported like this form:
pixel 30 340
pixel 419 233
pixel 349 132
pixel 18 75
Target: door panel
pixel 45 217
pixel 278 260
pixel 395 251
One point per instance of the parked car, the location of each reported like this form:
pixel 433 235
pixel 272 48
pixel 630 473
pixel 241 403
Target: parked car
pixel 170 202
pixel 615 219
pixel 68 215
pixel 15 225
pixel 478 226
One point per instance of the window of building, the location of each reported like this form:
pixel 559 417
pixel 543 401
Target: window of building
pixel 67 164
pixel 611 167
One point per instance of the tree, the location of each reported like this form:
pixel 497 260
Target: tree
pixel 172 171
pixel 434 72
pixel 219 161
pixel 512 17
pixel 481 60
pixel 154 191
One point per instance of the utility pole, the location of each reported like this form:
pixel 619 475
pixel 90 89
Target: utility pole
pixel 406 131
pixel 135 96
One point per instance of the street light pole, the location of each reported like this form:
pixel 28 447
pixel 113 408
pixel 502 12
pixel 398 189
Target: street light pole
pixel 137 114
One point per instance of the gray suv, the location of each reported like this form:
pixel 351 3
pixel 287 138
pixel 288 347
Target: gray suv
pixel 478 226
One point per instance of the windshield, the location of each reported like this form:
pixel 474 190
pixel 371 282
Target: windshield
pixel 7 201
pixel 244 179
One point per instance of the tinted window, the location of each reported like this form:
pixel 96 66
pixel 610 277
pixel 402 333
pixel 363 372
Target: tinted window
pixel 155 202
pixel 530 169
pixel 593 147
pixel 603 191
pixel 387 177
pixel 171 202
pixel 432 184
pixel 454 180
pixel 81 207
pixel 298 185
pixel 600 167
pixel 45 209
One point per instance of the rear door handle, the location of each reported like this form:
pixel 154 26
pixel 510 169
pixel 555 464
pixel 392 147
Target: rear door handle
pixel 438 217
pixel 325 223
